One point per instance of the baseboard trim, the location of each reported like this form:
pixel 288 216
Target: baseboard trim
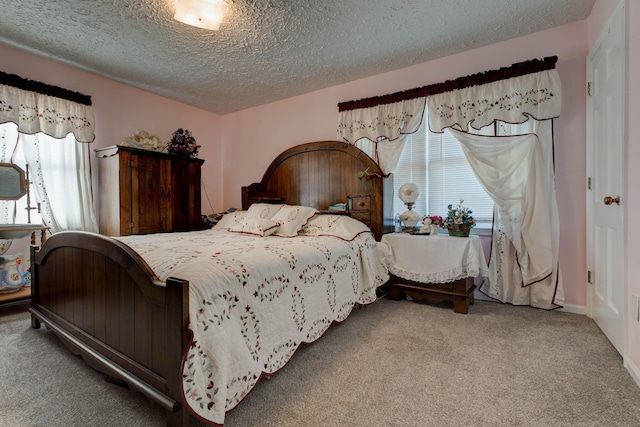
pixel 567 308
pixel 633 370
pixel 575 309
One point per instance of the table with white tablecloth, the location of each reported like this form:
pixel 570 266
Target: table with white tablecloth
pixel 434 268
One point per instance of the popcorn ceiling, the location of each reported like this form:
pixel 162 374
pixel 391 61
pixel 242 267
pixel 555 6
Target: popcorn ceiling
pixel 266 50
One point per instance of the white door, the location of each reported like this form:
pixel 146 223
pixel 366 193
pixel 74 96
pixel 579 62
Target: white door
pixel 605 168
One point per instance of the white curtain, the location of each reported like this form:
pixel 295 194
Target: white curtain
pixel 52 133
pixel 517 172
pixel 60 171
pixel 513 100
pixel 33 112
pixel 379 130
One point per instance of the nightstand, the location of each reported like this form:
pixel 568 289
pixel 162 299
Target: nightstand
pixel 360 208
pixel 434 268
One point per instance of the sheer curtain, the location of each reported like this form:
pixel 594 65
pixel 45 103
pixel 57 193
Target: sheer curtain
pixel 51 132
pixel 516 171
pixel 60 172
pixel 380 131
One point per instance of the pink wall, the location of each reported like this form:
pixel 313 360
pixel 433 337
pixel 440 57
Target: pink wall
pixel 120 110
pixel 267 130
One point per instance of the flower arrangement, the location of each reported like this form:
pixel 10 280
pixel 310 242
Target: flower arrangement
pixel 435 220
pixel 183 143
pixel 458 216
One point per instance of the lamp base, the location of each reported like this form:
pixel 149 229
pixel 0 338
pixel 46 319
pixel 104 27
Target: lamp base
pixel 410 219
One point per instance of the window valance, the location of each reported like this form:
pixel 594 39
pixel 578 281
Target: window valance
pixel 538 95
pixel 34 111
pixel 384 120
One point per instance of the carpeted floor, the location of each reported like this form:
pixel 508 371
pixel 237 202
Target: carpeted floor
pixel 393 363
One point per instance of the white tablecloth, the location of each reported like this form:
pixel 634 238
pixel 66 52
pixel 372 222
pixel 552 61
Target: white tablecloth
pixel 433 259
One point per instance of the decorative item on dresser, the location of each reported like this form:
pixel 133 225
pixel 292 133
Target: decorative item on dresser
pixel 183 143
pixel 145 192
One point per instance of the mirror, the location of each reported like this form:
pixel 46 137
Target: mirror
pixel 12 182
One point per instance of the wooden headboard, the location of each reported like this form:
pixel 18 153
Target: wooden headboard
pixel 321 174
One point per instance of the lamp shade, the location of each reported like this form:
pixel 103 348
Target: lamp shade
pixel 207 14
pixel 408 193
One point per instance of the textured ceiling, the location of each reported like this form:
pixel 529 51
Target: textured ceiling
pixel 266 50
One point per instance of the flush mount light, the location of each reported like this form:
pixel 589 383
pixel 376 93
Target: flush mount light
pixel 207 14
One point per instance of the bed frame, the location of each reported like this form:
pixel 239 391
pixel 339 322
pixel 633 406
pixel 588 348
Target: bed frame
pixel 105 304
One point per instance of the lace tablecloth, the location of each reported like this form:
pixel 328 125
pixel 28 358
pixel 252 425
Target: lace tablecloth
pixel 433 259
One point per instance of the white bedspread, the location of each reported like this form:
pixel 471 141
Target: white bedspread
pixel 254 300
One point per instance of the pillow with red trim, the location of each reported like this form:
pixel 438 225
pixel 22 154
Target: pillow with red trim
pixel 230 219
pixel 340 226
pixel 263 210
pixel 292 219
pixel 257 226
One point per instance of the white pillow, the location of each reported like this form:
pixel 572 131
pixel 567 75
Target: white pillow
pixel 292 219
pixel 228 220
pixel 263 210
pixel 257 226
pixel 341 226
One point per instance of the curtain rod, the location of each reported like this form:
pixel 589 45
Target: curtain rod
pixel 515 70
pixel 43 88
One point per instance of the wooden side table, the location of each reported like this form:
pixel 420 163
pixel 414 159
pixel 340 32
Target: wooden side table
pixel 459 292
pixel 434 269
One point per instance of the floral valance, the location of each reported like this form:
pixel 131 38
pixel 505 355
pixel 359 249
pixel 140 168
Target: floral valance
pixel 512 100
pixel 34 112
pixel 384 120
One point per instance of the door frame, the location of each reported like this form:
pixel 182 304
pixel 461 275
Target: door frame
pixel 620 8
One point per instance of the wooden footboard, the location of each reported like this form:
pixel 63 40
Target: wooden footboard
pixel 104 302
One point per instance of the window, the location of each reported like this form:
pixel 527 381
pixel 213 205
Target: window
pixel 60 180
pixel 26 209
pixel 437 164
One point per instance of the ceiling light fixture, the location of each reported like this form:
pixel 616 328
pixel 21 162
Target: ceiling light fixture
pixel 207 14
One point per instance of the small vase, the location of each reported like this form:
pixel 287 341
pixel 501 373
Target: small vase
pixel 461 230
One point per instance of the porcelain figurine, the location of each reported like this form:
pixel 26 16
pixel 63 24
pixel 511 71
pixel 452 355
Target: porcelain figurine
pixel 11 276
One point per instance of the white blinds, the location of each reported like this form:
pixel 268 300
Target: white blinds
pixel 451 178
pixel 412 167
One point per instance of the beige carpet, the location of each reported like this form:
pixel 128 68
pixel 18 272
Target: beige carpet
pixel 389 364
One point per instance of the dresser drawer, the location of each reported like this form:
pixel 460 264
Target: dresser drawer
pixel 361 203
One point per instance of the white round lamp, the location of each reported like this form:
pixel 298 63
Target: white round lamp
pixel 409 193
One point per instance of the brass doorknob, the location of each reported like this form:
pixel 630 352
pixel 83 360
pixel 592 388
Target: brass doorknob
pixel 609 200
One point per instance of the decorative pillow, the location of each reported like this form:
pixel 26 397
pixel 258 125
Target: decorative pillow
pixel 257 226
pixel 340 226
pixel 229 220
pixel 292 219
pixel 263 210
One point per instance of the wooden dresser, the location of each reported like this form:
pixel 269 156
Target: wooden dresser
pixel 145 192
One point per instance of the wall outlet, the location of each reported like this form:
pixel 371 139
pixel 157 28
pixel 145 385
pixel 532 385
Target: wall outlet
pixel 635 314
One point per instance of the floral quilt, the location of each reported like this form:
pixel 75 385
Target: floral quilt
pixel 253 300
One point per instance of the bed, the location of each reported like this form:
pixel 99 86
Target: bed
pixel 158 312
